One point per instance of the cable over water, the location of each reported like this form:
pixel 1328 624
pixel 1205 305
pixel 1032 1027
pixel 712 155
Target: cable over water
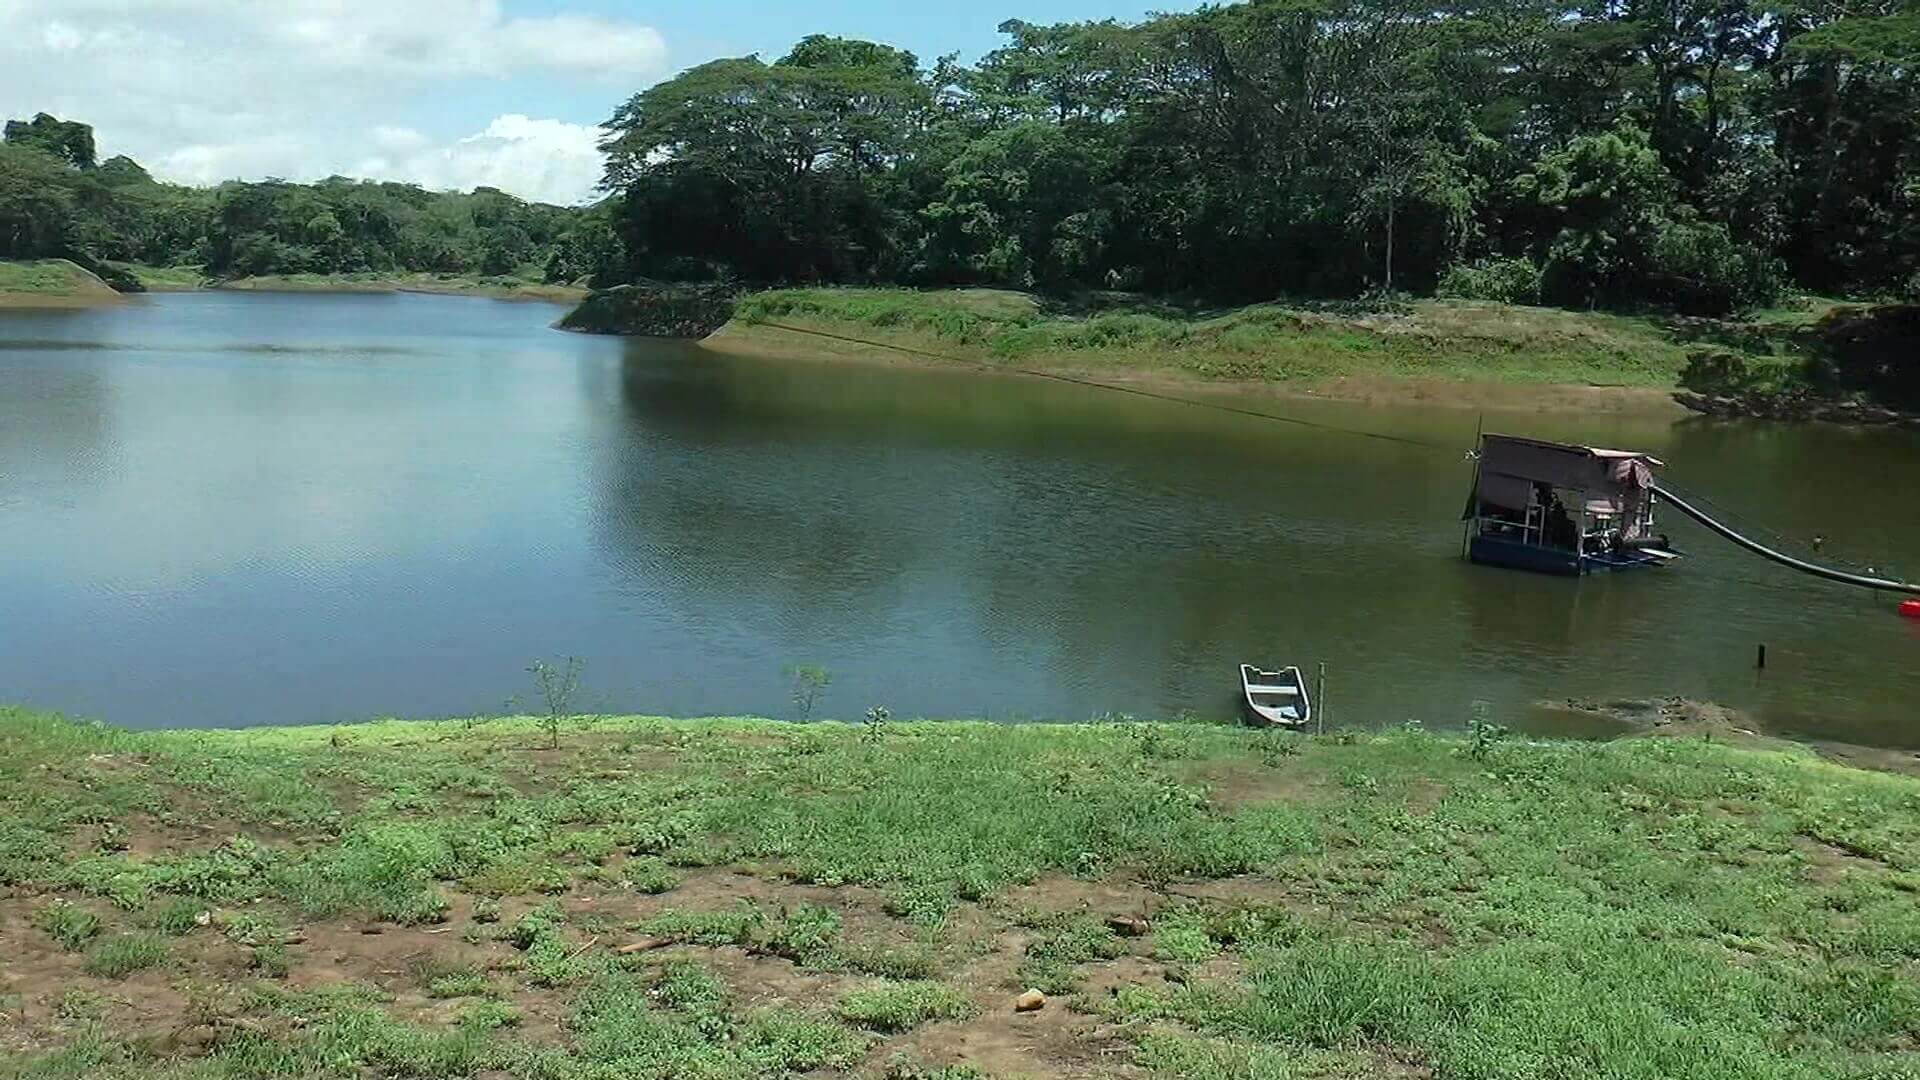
pixel 1805 567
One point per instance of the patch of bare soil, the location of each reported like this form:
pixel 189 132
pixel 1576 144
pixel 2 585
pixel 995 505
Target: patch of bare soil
pixel 46 993
pixel 758 980
pixel 1877 759
pixel 1425 796
pixel 1667 718
pixel 1680 718
pixel 1053 1041
pixel 1458 394
pixel 1388 1065
pixel 1107 896
pixel 1248 891
pixel 367 954
pixel 1234 784
pixel 1829 863
pixel 728 888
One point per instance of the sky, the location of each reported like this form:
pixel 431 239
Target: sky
pixel 444 93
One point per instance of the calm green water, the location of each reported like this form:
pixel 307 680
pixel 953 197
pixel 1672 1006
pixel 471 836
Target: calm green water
pixel 258 509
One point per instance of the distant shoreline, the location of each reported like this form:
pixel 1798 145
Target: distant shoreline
pixel 60 284
pixel 1451 355
pixel 491 288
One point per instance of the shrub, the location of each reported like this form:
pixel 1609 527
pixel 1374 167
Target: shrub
pixel 1698 268
pixel 1872 350
pixel 1508 281
pixel 1715 372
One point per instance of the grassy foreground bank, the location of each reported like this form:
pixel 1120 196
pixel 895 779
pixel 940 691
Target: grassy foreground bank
pixel 1430 340
pixel 656 898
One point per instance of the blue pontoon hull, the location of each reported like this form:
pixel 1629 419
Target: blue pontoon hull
pixel 1494 551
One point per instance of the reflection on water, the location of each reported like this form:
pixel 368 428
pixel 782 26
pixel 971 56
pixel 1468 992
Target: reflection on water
pixel 264 509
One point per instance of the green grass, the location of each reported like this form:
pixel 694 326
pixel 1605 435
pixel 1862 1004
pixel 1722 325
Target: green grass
pixel 69 924
pixel 1368 904
pixel 488 1016
pixel 649 874
pixel 125 954
pixel 904 1006
pixel 168 278
pixel 1457 340
pixel 462 982
pixel 174 917
pixel 49 279
pixel 1060 944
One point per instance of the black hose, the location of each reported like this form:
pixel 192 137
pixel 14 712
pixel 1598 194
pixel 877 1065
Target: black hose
pixel 1783 559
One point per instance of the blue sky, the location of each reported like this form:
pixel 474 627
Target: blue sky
pixel 696 33
pixel 444 93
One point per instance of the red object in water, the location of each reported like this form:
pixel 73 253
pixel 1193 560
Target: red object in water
pixel 1910 608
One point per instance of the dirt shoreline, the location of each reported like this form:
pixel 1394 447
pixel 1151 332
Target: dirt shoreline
pixel 1684 718
pixel 772 343
pixel 551 294
pixel 58 301
pixel 84 290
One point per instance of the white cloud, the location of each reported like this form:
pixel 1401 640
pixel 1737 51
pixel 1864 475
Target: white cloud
pixel 544 160
pixel 388 137
pixel 208 90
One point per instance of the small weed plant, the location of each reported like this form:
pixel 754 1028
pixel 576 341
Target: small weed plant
pixel 557 684
pixel 808 681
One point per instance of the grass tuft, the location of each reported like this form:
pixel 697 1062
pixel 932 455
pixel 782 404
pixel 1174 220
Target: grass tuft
pixel 895 1007
pixel 125 954
pixel 69 924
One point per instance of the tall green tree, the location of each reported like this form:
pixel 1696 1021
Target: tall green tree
pixel 67 140
pixel 770 170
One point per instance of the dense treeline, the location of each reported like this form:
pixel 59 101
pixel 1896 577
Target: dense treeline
pixel 1672 153
pixel 1685 154
pixel 56 200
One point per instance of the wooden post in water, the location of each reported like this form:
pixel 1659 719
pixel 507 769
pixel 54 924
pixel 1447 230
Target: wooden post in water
pixel 1760 658
pixel 1320 695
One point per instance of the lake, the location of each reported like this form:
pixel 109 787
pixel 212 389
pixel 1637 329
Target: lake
pixel 225 509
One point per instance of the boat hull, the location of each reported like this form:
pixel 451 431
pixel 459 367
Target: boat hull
pixel 1494 551
pixel 1286 704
